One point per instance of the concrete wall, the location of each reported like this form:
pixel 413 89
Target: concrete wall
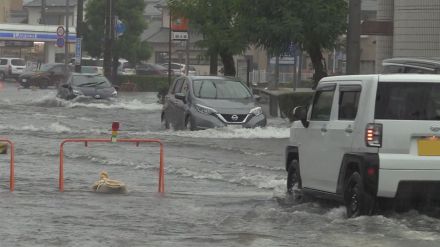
pixel 416 28
pixel 384 44
pixel 34 15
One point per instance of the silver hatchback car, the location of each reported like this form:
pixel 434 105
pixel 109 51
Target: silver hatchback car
pixel 201 102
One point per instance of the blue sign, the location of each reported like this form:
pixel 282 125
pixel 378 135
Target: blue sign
pixel 60 42
pixel 78 51
pixel 120 28
pixel 33 36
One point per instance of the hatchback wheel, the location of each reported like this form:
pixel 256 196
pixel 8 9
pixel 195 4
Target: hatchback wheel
pixel 43 83
pixel 165 123
pixel 189 124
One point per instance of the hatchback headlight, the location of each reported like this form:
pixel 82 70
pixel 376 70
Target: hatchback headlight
pixel 77 92
pixel 204 109
pixel 256 111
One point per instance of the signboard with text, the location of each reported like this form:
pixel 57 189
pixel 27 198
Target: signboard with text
pixel 179 35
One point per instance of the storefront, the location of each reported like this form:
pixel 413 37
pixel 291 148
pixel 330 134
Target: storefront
pixel 34 43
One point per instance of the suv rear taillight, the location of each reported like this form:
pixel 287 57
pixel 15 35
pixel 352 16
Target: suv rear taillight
pixel 373 135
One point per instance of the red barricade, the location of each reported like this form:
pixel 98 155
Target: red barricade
pixel 161 187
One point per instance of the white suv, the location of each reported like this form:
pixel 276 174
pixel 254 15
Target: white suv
pixel 11 67
pixel 368 139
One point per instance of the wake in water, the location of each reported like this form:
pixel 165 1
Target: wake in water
pixel 51 100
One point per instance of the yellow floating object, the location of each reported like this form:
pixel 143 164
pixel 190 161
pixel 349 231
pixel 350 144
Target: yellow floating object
pixel 3 148
pixel 106 185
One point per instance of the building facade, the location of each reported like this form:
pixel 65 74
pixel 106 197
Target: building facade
pixel 416 29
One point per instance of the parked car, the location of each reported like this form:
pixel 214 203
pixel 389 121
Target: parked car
pixel 91 85
pixel 125 67
pixel 11 67
pixel 91 70
pixel 201 102
pixel 51 74
pixel 179 69
pixel 151 69
pixel 411 65
pixel 369 141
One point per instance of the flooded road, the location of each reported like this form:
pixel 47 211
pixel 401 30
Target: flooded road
pixel 223 187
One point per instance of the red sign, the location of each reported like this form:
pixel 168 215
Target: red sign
pixel 179 24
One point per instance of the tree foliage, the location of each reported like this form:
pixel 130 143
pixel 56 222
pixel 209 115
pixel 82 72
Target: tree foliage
pixel 229 26
pixel 129 45
pixel 218 22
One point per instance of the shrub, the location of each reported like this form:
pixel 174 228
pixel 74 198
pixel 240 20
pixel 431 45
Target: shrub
pixel 145 83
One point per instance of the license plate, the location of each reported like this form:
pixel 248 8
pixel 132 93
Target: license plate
pixel 429 147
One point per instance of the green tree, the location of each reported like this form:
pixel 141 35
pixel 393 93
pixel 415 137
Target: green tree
pixel 219 23
pixel 128 45
pixel 323 24
pixel 272 25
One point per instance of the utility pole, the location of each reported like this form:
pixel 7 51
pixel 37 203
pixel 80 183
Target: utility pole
pixel 169 52
pixel 79 26
pixel 354 37
pixel 43 12
pixel 66 39
pixel 108 41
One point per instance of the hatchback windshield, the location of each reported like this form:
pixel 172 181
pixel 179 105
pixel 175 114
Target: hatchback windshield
pixel 90 81
pixel 220 89
pixel 408 101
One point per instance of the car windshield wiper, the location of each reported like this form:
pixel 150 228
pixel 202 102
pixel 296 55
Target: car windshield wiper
pixel 91 84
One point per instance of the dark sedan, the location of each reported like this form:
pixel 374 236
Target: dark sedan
pixel 51 74
pixel 89 85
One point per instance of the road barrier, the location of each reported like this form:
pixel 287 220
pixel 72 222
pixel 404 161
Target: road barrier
pixel 161 186
pixel 11 166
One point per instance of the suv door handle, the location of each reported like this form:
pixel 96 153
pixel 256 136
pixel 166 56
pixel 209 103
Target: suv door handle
pixel 349 130
pixel 324 129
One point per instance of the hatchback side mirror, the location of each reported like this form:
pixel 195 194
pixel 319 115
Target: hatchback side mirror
pixel 181 96
pixel 300 113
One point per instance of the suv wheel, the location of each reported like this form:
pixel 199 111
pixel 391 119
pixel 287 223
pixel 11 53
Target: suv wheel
pixel 355 197
pixel 293 176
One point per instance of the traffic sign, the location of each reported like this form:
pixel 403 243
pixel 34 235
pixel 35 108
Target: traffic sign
pixel 60 42
pixel 60 31
pixel 78 51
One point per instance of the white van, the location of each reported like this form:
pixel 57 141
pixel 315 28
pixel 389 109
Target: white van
pixel 11 67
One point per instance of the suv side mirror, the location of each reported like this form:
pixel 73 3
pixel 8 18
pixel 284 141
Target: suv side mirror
pixel 181 96
pixel 257 98
pixel 300 113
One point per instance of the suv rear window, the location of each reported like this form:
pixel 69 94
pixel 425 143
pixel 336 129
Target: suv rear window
pixel 408 101
pixel 18 62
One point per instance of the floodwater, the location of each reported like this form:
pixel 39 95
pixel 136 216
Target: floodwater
pixel 223 187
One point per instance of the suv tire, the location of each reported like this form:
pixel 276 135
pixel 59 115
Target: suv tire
pixel 293 176
pixel 355 198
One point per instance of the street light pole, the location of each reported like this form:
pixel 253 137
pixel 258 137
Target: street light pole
pixel 354 37
pixel 108 41
pixel 79 26
pixel 66 39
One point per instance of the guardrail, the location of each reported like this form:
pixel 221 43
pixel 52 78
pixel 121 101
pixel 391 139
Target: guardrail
pixel 161 186
pixel 11 166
